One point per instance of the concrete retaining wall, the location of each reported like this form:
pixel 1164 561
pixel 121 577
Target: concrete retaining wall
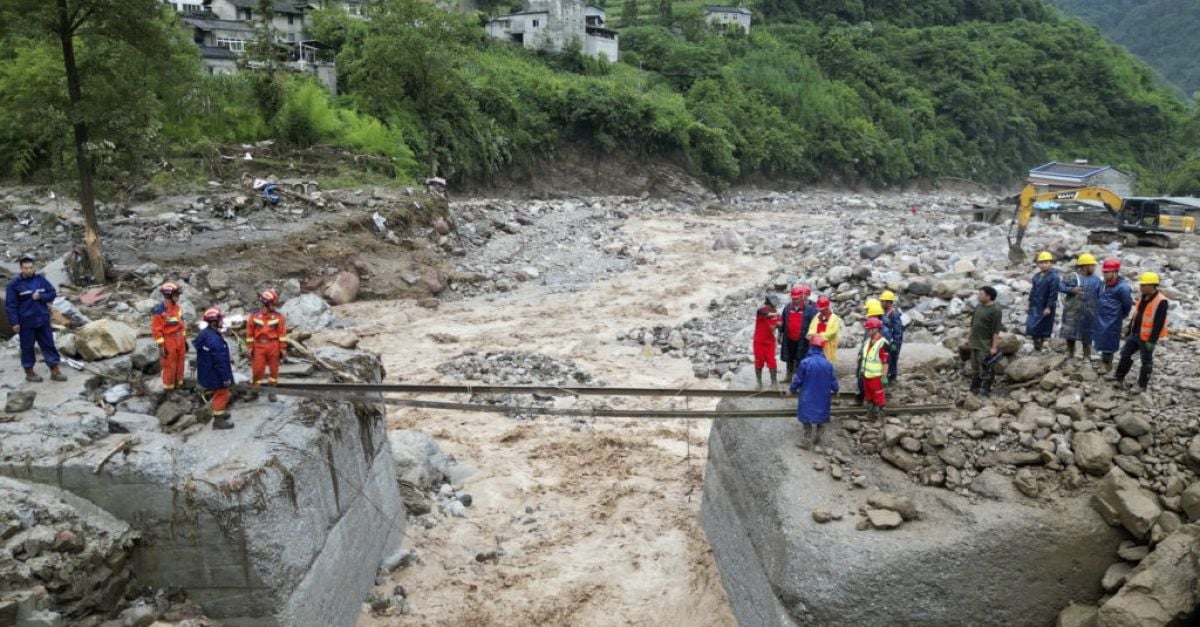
pixel 281 521
pixel 1014 562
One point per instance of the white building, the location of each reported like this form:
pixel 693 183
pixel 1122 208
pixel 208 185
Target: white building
pixel 553 24
pixel 222 29
pixel 722 17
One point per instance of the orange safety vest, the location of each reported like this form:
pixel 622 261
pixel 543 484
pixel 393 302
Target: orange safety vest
pixel 1146 325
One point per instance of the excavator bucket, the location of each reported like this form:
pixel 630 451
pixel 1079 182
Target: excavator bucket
pixel 1016 256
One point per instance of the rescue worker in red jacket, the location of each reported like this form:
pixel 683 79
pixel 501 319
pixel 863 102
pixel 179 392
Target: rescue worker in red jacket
pixel 266 339
pixel 169 330
pixel 765 322
pixel 793 325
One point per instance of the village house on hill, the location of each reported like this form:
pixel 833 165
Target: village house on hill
pixel 723 17
pixel 222 29
pixel 1055 176
pixel 553 24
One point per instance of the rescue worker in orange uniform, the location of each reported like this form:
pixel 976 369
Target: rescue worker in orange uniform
pixel 266 337
pixel 169 330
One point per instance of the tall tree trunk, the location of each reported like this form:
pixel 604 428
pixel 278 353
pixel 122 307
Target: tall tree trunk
pixel 87 194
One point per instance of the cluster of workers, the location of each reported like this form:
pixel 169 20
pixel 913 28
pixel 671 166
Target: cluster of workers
pixel 29 296
pixel 1095 309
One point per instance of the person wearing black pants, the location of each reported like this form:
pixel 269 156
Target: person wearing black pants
pixel 1146 328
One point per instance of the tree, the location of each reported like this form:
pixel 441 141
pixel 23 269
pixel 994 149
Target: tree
pixel 93 38
pixel 629 13
pixel 262 48
pixel 665 12
pixel 412 55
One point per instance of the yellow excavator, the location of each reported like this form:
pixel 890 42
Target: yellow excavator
pixel 1139 221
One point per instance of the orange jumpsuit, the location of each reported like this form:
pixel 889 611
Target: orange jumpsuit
pixel 169 331
pixel 266 332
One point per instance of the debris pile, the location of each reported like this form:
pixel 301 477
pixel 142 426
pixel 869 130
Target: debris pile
pixel 60 559
pixel 515 368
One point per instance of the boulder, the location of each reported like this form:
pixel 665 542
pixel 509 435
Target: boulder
pixel 65 343
pixel 727 240
pixel 870 251
pixel 1191 502
pixel 900 504
pixel 919 288
pixel 1163 589
pixel 419 460
pixel 1132 426
pixel 1078 616
pixel 218 280
pixel 1120 500
pixel 1071 404
pixel 1115 576
pixel 19 400
pixel 434 282
pixel 1193 454
pixel 839 274
pixel 1093 454
pixel 884 518
pixel 1026 483
pixel 105 338
pixel 1024 369
pixel 307 313
pixel 145 353
pixel 342 289
pixel 1009 344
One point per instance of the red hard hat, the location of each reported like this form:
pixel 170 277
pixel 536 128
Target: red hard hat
pixel 823 303
pixel 169 288
pixel 803 289
pixel 1111 264
pixel 797 292
pixel 268 296
pixel 874 323
pixel 817 341
pixel 212 314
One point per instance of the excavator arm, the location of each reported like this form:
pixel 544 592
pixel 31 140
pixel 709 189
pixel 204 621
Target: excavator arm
pixel 1029 197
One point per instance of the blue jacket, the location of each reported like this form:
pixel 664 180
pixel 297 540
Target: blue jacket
pixel 1079 310
pixel 1113 306
pixel 213 367
pixel 816 378
pixel 893 328
pixel 19 303
pixel 1043 295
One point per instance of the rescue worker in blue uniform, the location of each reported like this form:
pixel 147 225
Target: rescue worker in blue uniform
pixel 1043 301
pixel 1113 305
pixel 27 304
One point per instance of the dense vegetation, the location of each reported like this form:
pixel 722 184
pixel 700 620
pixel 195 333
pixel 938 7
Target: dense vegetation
pixel 1161 32
pixel 854 91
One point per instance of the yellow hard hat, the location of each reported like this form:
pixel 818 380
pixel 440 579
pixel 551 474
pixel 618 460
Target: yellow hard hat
pixel 1085 259
pixel 1044 256
pixel 1148 278
pixel 874 307
pixel 888 296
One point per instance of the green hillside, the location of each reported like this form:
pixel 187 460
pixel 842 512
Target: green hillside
pixel 1161 32
pixel 849 91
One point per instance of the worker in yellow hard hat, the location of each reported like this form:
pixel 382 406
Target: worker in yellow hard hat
pixel 1043 301
pixel 874 312
pixel 1081 295
pixel 893 331
pixel 1146 328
